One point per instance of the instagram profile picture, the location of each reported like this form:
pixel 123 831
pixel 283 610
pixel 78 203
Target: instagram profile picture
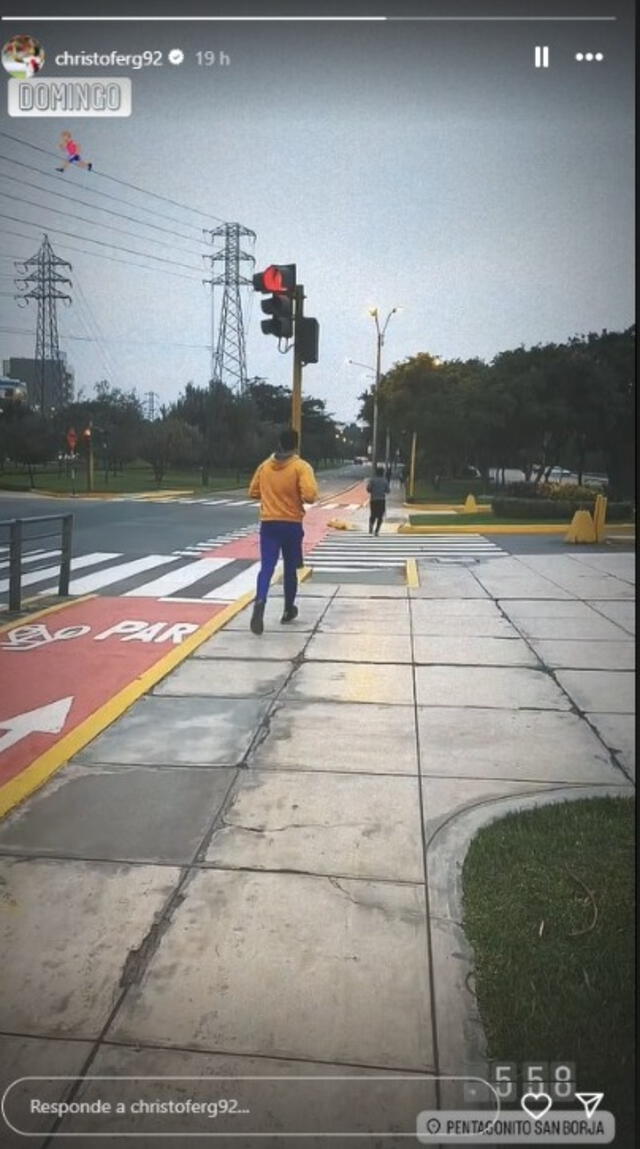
pixel 23 57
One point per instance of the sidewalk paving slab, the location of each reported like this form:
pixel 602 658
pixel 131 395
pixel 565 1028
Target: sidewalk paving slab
pixel 358 737
pixel 461 626
pixel 234 678
pixel 119 813
pixel 512 688
pixel 345 978
pixel 359 648
pixel 284 644
pixel 473 650
pixel 594 629
pixel 526 745
pixel 62 961
pixel 600 691
pixel 347 825
pixel 622 612
pixel 586 655
pixel 618 732
pixel 351 682
pixel 180 732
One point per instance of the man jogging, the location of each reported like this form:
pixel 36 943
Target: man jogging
pixel 283 483
pixel 378 488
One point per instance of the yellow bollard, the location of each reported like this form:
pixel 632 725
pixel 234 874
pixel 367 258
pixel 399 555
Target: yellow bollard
pixel 470 505
pixel 582 529
pixel 599 517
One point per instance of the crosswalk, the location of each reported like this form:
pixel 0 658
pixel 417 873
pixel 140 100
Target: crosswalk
pixel 359 551
pixel 183 576
pixel 183 500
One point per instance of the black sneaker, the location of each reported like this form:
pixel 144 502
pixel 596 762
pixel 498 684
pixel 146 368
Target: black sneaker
pixel 59 169
pixel 90 167
pixel 290 612
pixel 257 617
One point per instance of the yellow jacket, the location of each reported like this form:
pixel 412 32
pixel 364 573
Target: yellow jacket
pixel 282 485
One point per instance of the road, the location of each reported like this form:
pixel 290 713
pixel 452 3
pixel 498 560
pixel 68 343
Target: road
pixel 183 548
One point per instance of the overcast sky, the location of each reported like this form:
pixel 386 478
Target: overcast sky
pixel 420 165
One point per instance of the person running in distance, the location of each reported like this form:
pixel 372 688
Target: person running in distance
pixel 283 483
pixel 378 488
pixel 70 147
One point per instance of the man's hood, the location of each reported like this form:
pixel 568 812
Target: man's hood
pixel 281 459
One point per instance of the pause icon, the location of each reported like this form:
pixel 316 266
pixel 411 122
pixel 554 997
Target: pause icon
pixel 541 56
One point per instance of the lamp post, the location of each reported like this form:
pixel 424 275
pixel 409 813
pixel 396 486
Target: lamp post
pixel 380 333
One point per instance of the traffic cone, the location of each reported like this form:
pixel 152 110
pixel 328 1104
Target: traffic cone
pixel 470 505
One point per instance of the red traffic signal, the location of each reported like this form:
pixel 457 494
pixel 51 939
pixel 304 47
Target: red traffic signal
pixel 279 278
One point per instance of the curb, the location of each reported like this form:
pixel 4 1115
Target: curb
pixel 488 529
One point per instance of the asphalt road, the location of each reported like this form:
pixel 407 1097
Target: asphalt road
pixel 132 527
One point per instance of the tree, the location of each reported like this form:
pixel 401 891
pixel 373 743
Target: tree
pixel 169 442
pixel 29 440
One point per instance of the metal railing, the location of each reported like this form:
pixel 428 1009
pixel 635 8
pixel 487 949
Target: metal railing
pixel 18 537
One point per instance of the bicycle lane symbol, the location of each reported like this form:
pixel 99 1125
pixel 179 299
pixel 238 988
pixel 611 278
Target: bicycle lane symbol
pixel 32 635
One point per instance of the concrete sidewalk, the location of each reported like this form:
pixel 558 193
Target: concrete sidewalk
pixel 256 871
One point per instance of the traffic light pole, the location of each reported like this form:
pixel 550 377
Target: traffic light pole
pixel 296 392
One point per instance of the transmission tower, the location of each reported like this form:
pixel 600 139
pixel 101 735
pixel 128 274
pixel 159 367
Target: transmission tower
pixel 39 278
pixel 150 408
pixel 229 361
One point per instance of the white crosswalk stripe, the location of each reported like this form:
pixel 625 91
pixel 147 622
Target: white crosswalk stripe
pixel 165 577
pixel 360 551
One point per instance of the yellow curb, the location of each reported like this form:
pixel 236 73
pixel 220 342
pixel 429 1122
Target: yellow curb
pixel 21 620
pixel 304 573
pixel 446 508
pixel 46 765
pixel 483 529
pixel 411 574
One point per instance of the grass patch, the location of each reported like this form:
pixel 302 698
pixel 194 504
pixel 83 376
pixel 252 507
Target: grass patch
pixel 133 480
pixel 555 969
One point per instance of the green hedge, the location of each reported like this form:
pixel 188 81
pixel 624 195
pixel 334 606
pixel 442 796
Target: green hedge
pixel 561 509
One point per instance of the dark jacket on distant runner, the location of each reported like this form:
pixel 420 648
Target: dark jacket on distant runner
pixel 378 487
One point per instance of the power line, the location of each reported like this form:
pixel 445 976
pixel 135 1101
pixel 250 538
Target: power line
pixel 123 183
pixel 96 191
pixel 91 222
pixel 88 239
pixel 87 203
pixel 99 255
pixel 127 342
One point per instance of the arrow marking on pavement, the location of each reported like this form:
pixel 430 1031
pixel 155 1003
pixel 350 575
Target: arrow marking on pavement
pixel 49 719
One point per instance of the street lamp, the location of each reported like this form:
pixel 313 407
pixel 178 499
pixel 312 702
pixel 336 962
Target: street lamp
pixel 380 333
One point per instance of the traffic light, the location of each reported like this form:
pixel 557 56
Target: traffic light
pixel 280 280
pixel 280 308
pixel 307 336
pixel 277 277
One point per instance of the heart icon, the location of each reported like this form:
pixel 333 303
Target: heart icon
pixel 536 1104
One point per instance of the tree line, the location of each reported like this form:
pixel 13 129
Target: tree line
pixel 566 404
pixel 210 429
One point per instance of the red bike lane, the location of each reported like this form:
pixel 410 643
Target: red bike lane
pixel 68 673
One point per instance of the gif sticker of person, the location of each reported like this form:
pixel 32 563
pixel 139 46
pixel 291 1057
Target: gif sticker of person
pixel 71 150
pixel 23 57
